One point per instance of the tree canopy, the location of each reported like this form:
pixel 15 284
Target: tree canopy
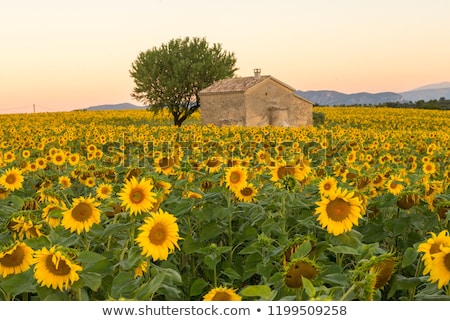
pixel 172 75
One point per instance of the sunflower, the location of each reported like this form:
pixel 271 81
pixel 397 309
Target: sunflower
pixel 283 169
pixel 247 193
pixel 213 164
pixel 3 193
pixel 26 153
pixel 103 191
pixel 89 181
pixel 395 186
pixel 52 213
pixel 15 259
pixel 433 246
pixel 164 186
pixel 59 158
pixel 298 268
pixel 429 168
pixel 440 267
pixel 140 269
pixel 235 178
pixel 327 185
pixel 263 157
pixel 159 235
pixel 165 164
pixel 9 156
pixel 54 269
pixel 222 294
pixel 64 181
pixel 339 211
pixel 383 269
pixel 12 179
pixel 137 196
pixel 41 162
pixel 191 194
pixel 74 159
pixel 83 214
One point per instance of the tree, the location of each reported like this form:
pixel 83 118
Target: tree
pixel 172 75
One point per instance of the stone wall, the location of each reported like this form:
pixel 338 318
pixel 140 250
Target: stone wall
pixel 223 109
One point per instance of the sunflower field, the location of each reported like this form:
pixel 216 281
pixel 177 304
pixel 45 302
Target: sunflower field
pixel 120 205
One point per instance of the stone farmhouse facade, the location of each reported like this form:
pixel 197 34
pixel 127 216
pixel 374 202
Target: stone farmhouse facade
pixel 254 101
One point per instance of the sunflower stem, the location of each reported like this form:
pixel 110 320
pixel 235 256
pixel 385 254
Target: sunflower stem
pixel 86 241
pixel 108 245
pixel 412 291
pixel 283 213
pixel 349 291
pixel 133 220
pixel 230 224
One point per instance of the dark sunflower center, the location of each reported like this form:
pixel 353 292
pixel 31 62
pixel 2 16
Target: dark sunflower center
pixel 137 196
pixel 235 177
pixel 338 209
pixel 221 296
pixel 10 179
pixel 213 162
pixel 293 277
pixel 284 171
pixel 165 162
pixel 246 191
pixel 447 261
pixel 13 259
pixel 62 268
pixel 105 190
pixel 327 186
pixel 157 234
pixel 82 212
pixel 385 270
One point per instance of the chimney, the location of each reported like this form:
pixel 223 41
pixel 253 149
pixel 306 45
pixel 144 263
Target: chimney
pixel 257 72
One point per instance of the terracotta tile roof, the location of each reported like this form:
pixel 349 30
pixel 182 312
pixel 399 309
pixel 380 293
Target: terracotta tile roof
pixel 237 84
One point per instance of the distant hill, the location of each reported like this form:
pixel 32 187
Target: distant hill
pixel 426 94
pixel 123 106
pixel 444 84
pixel 332 98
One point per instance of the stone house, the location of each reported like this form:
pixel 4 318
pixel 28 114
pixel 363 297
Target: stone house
pixel 254 101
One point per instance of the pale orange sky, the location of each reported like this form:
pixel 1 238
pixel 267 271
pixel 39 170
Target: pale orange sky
pixel 63 55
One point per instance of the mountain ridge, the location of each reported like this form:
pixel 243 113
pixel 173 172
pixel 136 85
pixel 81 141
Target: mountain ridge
pixel 333 98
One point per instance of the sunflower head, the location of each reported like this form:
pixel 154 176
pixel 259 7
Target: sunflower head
pixel 82 215
pixel 235 178
pixel 247 193
pixel 137 196
pixel 15 259
pixel 408 200
pixel 340 211
pixel 54 268
pixel 298 268
pixel 327 185
pixel 383 266
pixel 158 235
pixel 222 294
pixel 12 179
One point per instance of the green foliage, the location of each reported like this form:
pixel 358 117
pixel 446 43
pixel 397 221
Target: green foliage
pixel 318 118
pixel 172 75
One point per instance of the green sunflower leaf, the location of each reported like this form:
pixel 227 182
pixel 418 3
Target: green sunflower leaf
pixel 263 291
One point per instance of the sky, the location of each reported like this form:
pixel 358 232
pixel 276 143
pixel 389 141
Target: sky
pixel 62 55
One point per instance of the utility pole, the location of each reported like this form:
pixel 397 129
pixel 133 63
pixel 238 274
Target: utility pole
pixel 34 108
